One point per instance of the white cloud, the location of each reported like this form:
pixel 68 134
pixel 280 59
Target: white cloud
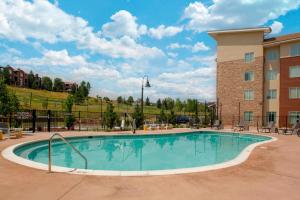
pixel 235 13
pixel 163 31
pixel 199 46
pixel 276 27
pixel 42 21
pixel 123 23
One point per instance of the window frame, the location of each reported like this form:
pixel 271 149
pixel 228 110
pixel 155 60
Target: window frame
pixel 269 116
pixel 296 51
pixel 250 91
pixel 297 113
pixel 249 116
pixel 249 72
pixel 297 92
pixel 251 59
pixel 297 73
pixel 270 94
pixel 272 55
pixel 272 74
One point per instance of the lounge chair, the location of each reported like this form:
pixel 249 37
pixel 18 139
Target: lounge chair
pixel 217 125
pixel 4 128
pixel 242 126
pixel 12 133
pixel 290 131
pixel 268 129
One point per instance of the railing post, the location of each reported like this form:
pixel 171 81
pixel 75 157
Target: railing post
pixel 79 120
pixel 49 121
pixel 49 156
pixel 33 120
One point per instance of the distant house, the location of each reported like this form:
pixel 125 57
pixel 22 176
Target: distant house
pixel 69 85
pixel 19 78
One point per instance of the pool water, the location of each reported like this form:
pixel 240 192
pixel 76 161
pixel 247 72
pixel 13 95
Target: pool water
pixel 142 152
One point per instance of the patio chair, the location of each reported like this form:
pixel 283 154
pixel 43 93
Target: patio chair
pixel 242 126
pixel 290 131
pixel 4 128
pixel 268 129
pixel 217 125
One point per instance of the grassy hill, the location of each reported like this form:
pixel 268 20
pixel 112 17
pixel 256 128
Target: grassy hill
pixel 42 100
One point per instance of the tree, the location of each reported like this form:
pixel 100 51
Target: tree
pixel 47 83
pixel 178 105
pixel 120 99
pixel 162 116
pixel 158 103
pixel 110 117
pixel 172 118
pixel 147 103
pixel 6 76
pixel 130 100
pixel 69 120
pixel 137 115
pixel 31 79
pixel 9 102
pixel 169 103
pixel 58 85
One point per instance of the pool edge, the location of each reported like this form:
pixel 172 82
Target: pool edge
pixel 8 154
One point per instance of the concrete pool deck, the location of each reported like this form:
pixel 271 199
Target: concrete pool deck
pixel 271 172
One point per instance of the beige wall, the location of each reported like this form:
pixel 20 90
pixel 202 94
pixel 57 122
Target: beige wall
pixel 271 105
pixel 285 49
pixel 233 46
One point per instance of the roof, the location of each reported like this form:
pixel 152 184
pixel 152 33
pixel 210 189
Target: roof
pixel 257 29
pixel 282 39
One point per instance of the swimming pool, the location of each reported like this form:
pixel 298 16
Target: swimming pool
pixel 144 154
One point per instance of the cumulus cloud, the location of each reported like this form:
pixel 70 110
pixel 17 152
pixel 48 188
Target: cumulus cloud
pixel 123 23
pixel 42 21
pixel 276 27
pixel 163 31
pixel 61 60
pixel 199 46
pixel 235 13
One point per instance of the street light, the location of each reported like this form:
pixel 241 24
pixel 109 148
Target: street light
pixel 142 99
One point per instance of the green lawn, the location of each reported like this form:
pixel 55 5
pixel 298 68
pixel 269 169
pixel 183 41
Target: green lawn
pixel 46 100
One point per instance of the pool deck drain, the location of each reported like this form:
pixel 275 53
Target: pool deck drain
pixel 271 173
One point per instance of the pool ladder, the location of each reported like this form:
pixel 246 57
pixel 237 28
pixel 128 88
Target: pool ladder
pixel 69 144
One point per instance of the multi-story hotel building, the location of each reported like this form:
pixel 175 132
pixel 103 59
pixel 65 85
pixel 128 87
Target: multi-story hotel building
pixel 258 77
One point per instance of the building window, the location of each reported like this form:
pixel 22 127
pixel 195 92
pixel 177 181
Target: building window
pixel 248 95
pixel 249 57
pixel 272 55
pixel 294 116
pixel 248 116
pixel 271 117
pixel 294 93
pixel 295 50
pixel 294 71
pixel 249 76
pixel 272 94
pixel 271 75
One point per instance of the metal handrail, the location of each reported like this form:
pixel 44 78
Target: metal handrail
pixel 68 143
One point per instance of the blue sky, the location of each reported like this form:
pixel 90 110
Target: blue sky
pixel 114 43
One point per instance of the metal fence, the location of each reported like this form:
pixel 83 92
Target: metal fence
pixel 50 121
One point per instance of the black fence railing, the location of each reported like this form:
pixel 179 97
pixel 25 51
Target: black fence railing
pixel 49 120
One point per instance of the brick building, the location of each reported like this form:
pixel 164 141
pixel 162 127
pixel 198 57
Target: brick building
pixel 19 78
pixel 258 77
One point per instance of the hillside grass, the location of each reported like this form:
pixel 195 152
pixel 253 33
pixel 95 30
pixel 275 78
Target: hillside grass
pixel 48 100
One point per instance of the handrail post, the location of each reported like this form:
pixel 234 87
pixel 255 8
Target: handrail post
pixel 69 144
pixel 49 156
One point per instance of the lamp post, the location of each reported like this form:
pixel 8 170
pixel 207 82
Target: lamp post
pixel 142 98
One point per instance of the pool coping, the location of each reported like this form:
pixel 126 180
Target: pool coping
pixel 8 153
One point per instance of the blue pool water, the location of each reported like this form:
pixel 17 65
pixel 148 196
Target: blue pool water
pixel 142 152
